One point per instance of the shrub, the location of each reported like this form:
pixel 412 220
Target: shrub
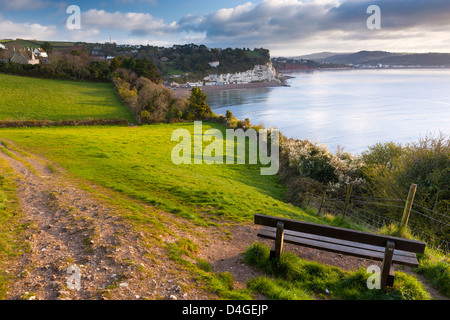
pixel 150 102
pixel 310 160
pixel 314 162
pixel 300 189
pixel 126 94
pixel 390 170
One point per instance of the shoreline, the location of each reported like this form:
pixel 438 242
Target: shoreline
pixel 185 92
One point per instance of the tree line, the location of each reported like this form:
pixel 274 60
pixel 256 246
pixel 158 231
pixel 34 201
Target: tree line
pixel 152 102
pixel 76 63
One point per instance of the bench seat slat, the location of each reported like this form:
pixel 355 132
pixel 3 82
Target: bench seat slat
pixel 340 242
pixel 330 244
pixel 341 233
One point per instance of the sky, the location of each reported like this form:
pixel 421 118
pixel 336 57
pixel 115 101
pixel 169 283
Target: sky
pixel 286 27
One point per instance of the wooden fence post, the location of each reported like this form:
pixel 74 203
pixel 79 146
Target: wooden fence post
pixel 321 204
pixel 408 206
pixel 309 198
pixel 347 199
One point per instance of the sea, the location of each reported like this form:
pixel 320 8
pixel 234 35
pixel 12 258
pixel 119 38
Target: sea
pixel 350 109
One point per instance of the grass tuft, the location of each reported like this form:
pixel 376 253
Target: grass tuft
pixel 293 278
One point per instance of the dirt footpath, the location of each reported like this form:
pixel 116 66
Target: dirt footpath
pixel 70 228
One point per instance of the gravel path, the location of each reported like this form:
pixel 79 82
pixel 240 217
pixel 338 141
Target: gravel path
pixel 69 229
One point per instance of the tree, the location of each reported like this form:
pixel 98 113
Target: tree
pixel 382 154
pixel 155 99
pixel 115 64
pixel 47 47
pixel 197 104
pixel 99 70
pixel 146 68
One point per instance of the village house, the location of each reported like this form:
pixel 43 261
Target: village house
pixel 40 53
pixel 24 57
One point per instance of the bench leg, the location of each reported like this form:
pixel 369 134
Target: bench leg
pixel 391 277
pixel 275 253
pixel 387 269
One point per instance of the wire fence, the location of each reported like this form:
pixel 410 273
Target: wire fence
pixel 374 213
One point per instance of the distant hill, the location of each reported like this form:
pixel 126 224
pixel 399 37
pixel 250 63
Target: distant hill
pixel 388 58
pixel 317 56
pixel 423 59
pixel 36 43
pixel 362 57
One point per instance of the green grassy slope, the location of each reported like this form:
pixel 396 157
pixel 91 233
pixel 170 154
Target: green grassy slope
pixel 38 44
pixel 136 161
pixel 24 98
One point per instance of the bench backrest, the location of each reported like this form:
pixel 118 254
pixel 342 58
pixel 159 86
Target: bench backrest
pixel 341 233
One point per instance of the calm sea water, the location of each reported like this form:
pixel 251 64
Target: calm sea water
pixel 350 108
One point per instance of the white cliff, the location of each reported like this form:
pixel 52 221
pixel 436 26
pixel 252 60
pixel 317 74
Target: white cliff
pixel 260 73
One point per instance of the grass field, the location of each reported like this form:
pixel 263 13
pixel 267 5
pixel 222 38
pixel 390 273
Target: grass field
pixel 24 98
pixel 37 44
pixel 136 161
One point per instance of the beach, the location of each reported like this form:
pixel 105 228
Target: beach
pixel 185 92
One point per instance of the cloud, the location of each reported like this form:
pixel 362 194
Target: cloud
pixel 280 25
pixel 279 22
pixel 137 23
pixel 17 5
pixel 269 20
pixel 152 2
pixel 84 35
pixel 11 30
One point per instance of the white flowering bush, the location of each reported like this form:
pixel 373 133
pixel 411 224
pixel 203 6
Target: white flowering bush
pixel 348 168
pixel 313 160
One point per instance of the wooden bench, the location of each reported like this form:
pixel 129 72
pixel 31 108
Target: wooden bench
pixel 387 249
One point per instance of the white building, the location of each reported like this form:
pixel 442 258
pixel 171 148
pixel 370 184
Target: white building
pixel 40 53
pixel 214 64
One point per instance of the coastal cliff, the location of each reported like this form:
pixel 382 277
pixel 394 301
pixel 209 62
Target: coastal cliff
pixel 259 73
